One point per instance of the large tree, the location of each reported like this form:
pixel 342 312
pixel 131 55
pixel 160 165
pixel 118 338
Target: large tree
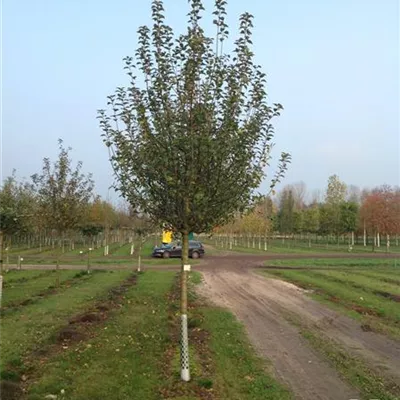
pixel 349 218
pixel 311 219
pixel 63 192
pixel 286 211
pixel 190 139
pixel 335 196
pixel 18 199
pixel 380 211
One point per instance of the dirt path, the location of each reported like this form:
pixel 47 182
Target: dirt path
pixel 261 304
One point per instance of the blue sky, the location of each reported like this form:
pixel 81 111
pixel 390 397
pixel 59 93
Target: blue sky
pixel 333 64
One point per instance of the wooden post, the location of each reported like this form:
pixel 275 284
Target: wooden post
pixel 58 272
pixel 88 260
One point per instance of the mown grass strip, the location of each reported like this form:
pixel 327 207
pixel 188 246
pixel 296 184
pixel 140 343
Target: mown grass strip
pixel 384 276
pixel 341 263
pixel 124 360
pixel 17 293
pixel 28 328
pixel 368 283
pixel 353 370
pixel 20 276
pixel 339 291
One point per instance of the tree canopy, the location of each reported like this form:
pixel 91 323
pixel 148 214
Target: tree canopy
pixel 63 192
pixel 189 147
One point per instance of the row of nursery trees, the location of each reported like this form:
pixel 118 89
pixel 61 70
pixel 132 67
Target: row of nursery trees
pixel 58 207
pixel 344 212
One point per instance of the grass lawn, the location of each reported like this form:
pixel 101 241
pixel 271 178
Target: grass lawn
pixel 34 324
pixel 22 276
pixel 29 289
pixel 367 290
pixel 294 247
pixel 369 265
pixel 118 255
pixel 131 353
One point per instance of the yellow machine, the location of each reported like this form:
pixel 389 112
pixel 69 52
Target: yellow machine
pixel 167 237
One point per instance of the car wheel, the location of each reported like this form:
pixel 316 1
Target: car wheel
pixel 195 255
pixel 166 254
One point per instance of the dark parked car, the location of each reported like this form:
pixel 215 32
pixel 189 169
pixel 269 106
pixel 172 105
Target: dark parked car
pixel 196 250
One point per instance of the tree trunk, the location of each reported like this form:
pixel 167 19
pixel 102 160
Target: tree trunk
pixel 387 243
pixel 365 236
pixel 58 272
pixel 352 238
pixel 88 261
pixel 1 287
pixel 378 240
pixel 185 373
pixel 139 255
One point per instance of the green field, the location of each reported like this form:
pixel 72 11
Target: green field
pixel 19 291
pixel 368 290
pixel 119 254
pixel 114 335
pixel 290 245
